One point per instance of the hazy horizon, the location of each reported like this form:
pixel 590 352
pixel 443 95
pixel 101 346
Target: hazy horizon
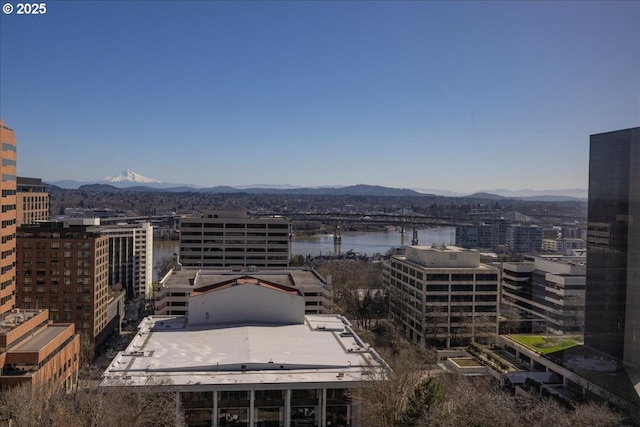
pixel 459 96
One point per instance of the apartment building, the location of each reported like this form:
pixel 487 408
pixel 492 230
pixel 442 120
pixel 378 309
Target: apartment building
pixel 8 217
pixel 524 238
pixel 443 296
pixel 32 349
pixel 32 201
pixel 547 293
pixel 131 258
pixel 563 246
pixel 64 268
pixel 174 290
pixel 234 238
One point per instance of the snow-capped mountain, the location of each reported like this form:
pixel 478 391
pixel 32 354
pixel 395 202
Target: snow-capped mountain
pixel 129 176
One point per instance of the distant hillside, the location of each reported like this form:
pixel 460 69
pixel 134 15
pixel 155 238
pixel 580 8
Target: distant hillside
pixel 486 196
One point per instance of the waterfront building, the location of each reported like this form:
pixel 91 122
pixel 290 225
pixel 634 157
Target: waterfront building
pixel 612 323
pixel 524 238
pixel 234 239
pixel 476 236
pixel 131 258
pixel 563 246
pixel 32 201
pixel 443 296
pixel 8 217
pixel 234 362
pixel 63 267
pixel 547 293
pixel 172 295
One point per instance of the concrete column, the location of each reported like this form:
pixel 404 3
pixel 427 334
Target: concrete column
pixel 214 418
pixel 323 408
pixel 287 407
pixel 252 416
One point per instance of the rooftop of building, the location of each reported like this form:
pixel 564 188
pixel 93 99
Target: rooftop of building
pixel 196 277
pixel 246 280
pixel 10 320
pixel 166 350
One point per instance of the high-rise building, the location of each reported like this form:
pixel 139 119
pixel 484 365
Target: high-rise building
pixel 64 268
pixel 524 238
pixel 32 349
pixel 443 296
pixel 612 317
pixel 234 239
pixel 131 258
pixel 32 201
pixel 8 217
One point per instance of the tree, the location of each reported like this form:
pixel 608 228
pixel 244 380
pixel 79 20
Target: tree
pixel 163 265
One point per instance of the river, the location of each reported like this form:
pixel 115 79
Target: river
pixel 363 242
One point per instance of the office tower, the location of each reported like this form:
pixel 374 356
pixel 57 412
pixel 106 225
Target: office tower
pixel 8 216
pixel 612 316
pixel 32 201
pixel 234 238
pixel 443 296
pixel 64 268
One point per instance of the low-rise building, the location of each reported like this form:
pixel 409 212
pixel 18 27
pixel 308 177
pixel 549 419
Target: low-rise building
pixel 172 294
pixel 549 291
pixel 247 354
pixel 33 350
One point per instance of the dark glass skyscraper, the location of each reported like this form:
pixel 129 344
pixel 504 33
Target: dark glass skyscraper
pixel 612 305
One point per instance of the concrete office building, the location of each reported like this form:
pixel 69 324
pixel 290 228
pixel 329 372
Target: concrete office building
pixel 235 362
pixel 131 258
pixel 443 296
pixel 612 317
pixel 64 268
pixel 32 201
pixel 172 295
pixel 548 292
pixel 234 238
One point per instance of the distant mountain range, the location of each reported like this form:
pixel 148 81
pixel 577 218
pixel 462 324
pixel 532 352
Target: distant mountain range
pixel 129 180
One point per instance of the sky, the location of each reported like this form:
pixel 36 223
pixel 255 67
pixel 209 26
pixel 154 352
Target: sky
pixel 459 96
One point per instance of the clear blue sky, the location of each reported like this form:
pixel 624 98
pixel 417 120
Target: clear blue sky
pixel 461 96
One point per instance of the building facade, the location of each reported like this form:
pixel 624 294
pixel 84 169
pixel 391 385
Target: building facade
pixel 563 246
pixel 35 351
pixel 234 239
pixel 8 201
pixel 64 268
pixel 443 296
pixel 32 350
pixel 234 362
pixel 174 290
pixel 32 201
pixel 612 318
pixel 524 239
pixel 547 293
pixel 131 258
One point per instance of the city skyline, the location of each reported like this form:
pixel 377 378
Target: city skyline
pixel 462 96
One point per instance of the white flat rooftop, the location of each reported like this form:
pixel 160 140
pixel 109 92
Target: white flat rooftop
pixel 167 351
